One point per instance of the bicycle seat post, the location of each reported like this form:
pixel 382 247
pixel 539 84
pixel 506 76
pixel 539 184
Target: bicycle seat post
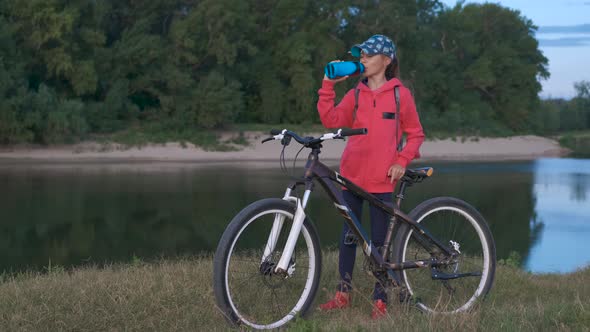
pixel 393 222
pixel 401 193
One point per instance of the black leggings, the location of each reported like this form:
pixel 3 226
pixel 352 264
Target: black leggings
pixel 379 222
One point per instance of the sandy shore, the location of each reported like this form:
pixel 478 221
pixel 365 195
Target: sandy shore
pixel 513 148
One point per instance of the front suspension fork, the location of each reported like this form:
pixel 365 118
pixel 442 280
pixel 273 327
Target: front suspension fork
pixel 298 219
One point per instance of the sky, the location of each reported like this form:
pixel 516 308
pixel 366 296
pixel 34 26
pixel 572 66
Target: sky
pixel 564 39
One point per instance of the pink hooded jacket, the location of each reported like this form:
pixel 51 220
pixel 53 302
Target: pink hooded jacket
pixel 367 158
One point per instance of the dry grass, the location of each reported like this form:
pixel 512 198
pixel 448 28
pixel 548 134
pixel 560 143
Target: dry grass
pixel 176 295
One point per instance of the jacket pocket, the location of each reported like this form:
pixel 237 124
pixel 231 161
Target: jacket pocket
pixel 350 164
pixel 381 164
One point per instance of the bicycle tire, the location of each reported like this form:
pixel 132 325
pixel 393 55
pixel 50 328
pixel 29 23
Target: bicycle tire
pixel 236 255
pixel 447 219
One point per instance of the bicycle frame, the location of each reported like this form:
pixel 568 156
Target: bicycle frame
pixel 315 170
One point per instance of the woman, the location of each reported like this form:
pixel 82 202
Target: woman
pixel 372 161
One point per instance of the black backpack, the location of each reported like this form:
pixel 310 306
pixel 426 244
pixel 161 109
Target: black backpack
pixel 400 144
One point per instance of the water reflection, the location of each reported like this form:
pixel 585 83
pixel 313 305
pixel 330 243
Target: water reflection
pixel 561 188
pixel 78 214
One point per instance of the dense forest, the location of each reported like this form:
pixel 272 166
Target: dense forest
pixel 74 68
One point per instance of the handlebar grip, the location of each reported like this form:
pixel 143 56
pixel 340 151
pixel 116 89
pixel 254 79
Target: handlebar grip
pixel 352 132
pixel 275 131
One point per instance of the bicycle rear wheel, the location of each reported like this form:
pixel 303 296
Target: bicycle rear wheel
pixel 247 289
pixel 456 285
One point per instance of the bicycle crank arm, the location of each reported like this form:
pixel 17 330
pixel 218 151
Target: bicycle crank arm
pixel 449 276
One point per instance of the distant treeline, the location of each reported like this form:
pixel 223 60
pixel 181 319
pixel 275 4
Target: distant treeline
pixel 568 115
pixel 78 67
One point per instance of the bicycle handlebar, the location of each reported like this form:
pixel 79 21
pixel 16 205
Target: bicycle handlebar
pixel 309 141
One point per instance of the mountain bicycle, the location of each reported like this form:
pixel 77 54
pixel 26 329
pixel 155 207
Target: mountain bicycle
pixel 268 262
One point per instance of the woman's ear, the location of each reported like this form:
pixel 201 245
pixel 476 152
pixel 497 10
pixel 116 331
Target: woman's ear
pixel 387 60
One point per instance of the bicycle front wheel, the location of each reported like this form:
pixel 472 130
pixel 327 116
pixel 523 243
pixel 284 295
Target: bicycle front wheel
pixel 455 285
pixel 247 288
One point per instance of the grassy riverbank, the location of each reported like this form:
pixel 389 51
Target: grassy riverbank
pixel 577 141
pixel 171 295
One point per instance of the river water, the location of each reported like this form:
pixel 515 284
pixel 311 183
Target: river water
pixel 78 213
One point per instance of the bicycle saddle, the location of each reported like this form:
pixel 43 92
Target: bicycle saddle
pixel 415 175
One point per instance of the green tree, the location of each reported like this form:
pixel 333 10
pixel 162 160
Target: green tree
pixel 577 115
pixel 69 68
pixel 491 51
pixel 12 88
pixel 298 39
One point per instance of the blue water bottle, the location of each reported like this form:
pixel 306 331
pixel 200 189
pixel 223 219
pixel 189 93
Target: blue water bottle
pixel 335 70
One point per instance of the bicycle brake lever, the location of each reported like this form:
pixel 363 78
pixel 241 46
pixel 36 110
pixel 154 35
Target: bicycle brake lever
pixel 267 139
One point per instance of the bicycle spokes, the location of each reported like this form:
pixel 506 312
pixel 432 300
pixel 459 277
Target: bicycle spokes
pixel 256 292
pixel 454 280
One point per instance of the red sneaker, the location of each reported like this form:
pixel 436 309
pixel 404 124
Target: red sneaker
pixel 341 300
pixel 379 309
